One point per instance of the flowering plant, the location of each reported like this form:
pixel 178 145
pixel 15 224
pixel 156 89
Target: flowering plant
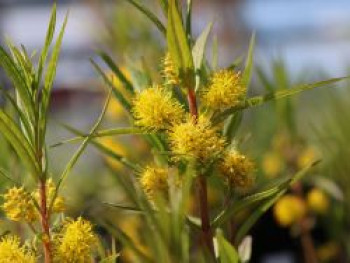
pixel 188 117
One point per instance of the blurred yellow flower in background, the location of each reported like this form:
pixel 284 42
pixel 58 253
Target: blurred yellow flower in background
pixel 318 201
pixel 289 210
pixel 115 109
pixel 307 156
pixel 272 164
pixel 132 227
pixel 116 147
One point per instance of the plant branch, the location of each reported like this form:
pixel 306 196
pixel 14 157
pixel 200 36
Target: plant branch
pixel 202 194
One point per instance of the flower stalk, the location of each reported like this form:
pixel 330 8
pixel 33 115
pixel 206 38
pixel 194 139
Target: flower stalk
pixel 45 226
pixel 202 193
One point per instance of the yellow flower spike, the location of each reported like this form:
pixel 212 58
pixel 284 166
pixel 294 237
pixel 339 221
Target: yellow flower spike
pixel 154 181
pixel 289 210
pixel 12 251
pixel 225 90
pixel 19 206
pixel 317 201
pixel 237 170
pixel 155 109
pixel 196 139
pixel 169 71
pixel 75 242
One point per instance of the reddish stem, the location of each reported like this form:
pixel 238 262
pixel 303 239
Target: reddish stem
pixel 45 222
pixel 207 235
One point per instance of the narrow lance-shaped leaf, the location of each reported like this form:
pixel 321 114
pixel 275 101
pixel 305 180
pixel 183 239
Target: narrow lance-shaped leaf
pixel 26 127
pixel 248 70
pixel 15 137
pixel 119 74
pixel 259 100
pixel 118 95
pixel 149 14
pixel 103 133
pixel 49 79
pixel 257 213
pixel 106 150
pixel 78 153
pixel 164 5
pixel 49 36
pixel 189 19
pixel 178 45
pixel 18 81
pixel 199 47
pixel 227 253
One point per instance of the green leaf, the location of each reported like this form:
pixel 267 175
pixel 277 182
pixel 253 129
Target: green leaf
pixel 79 152
pixel 262 208
pixel 106 150
pixel 124 207
pixel 16 138
pixel 108 60
pixel 247 74
pixel 227 253
pixel 118 95
pixel 125 240
pixel 103 133
pixel 232 124
pixel 164 5
pixel 262 195
pixel 18 81
pixel 48 40
pixel 259 100
pixel 49 79
pixel 189 19
pixel 25 124
pixel 7 175
pixel 199 47
pixel 178 45
pixel 215 52
pixel 149 14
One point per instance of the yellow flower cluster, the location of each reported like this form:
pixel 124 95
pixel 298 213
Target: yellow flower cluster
pixel 225 90
pixel 12 251
pixel 289 210
pixel 317 201
pixel 75 242
pixel 19 206
pixel 154 180
pixel 237 170
pixel 59 204
pixel 155 109
pixel 196 139
pixel 169 71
